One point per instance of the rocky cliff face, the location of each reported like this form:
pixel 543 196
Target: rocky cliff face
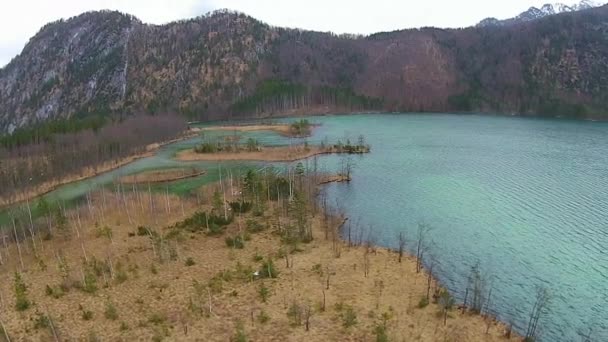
pixel 77 66
pixel 209 67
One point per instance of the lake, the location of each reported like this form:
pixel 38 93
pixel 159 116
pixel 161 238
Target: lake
pixel 527 199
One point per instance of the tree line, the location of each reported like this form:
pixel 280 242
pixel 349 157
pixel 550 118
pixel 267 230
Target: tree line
pixel 274 96
pixel 67 148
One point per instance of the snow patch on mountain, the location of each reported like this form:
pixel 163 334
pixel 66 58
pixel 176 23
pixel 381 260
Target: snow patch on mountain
pixel 534 13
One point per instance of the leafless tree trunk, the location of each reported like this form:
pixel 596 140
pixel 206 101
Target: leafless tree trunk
pixel 323 306
pixel 401 245
pixel 307 315
pixel 466 296
pixel 8 339
pixel 31 227
pixel 539 309
pixel 423 230
pixel 18 245
pixel 52 325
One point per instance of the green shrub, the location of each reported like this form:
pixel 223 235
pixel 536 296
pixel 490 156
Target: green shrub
pixel 349 317
pixel 199 222
pixel 190 262
pixel 380 332
pixel 240 207
pixel 157 318
pixel 264 293
pixel 111 313
pixel 244 273
pixel 295 314
pixel 318 269
pixel 142 231
pixel 121 275
pixel 216 284
pixel 268 270
pixel 208 147
pixel 235 242
pixel 87 315
pixel 300 128
pixel 254 226
pixel 90 282
pixel 239 335
pixel 21 301
pixel 257 257
pixel 41 321
pixel 105 232
pixel 423 303
pixel 55 292
pixel 263 317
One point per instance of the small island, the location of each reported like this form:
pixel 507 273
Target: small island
pixel 253 151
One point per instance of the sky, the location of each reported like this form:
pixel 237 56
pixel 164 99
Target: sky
pixel 21 19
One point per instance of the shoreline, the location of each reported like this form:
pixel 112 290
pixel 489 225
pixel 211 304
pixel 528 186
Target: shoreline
pixel 366 280
pixel 48 187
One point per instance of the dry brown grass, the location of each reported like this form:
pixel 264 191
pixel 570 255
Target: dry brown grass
pixel 157 304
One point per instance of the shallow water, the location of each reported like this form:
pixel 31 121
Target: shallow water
pixel 526 198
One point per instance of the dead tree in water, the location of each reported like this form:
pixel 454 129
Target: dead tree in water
pixel 421 244
pixel 539 309
pixel 476 285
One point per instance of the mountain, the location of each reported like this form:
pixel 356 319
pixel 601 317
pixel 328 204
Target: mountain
pixel 225 64
pixel 534 13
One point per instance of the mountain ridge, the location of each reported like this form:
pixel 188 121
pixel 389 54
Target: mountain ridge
pixel 226 64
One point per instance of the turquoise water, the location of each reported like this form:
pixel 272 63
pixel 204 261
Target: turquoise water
pixel 71 193
pixel 526 198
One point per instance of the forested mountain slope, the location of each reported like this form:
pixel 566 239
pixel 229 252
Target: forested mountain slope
pixel 227 64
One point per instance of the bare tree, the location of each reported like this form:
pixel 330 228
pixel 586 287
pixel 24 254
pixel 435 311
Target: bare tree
pixel 476 286
pixel 446 303
pixel 8 339
pixel 402 243
pixel 307 316
pixel 421 244
pixel 539 309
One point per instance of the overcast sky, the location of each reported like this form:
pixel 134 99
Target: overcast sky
pixel 21 19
